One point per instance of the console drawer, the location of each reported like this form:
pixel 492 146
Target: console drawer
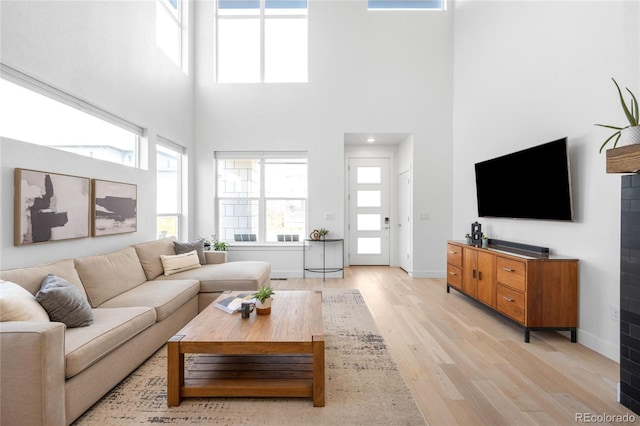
pixel 454 276
pixel 510 303
pixel 511 273
pixel 454 255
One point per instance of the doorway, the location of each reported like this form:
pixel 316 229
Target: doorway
pixel 369 207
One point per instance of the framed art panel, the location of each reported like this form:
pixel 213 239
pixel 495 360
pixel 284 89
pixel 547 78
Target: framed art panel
pixel 49 206
pixel 114 208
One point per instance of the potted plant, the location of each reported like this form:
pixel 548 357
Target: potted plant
pixel 629 134
pixel 323 232
pixel 263 300
pixel 485 241
pixel 213 242
pixel 467 238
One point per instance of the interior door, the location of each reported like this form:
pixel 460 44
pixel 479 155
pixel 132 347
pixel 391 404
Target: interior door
pixel 369 220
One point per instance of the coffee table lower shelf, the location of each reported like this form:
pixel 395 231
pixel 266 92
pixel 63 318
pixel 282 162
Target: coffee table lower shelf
pixel 250 375
pixel 254 375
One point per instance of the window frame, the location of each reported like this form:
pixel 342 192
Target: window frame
pixel 390 5
pixel 178 16
pixel 262 17
pixel 54 94
pixel 180 201
pixel 262 198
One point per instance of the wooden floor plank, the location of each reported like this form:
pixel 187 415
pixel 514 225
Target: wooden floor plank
pixel 466 365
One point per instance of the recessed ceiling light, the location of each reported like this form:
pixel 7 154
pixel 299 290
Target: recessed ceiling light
pixel 371 139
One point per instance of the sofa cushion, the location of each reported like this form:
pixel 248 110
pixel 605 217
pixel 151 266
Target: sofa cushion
pixel 149 255
pixel 198 246
pixel 17 304
pixel 108 275
pixel 64 303
pixel 31 277
pixel 111 328
pixel 180 262
pixel 241 275
pixel 165 297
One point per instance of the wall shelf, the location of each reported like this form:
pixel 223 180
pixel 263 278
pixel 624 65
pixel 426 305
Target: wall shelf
pixel 625 159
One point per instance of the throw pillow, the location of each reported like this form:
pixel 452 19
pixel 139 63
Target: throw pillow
pixel 198 246
pixel 64 302
pixel 179 262
pixel 17 304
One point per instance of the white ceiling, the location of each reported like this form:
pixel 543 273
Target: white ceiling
pixel 380 138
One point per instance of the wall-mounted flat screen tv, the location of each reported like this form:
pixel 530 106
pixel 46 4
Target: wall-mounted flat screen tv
pixel 530 184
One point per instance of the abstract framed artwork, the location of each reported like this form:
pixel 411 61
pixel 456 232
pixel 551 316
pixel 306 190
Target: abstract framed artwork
pixel 114 208
pixel 50 206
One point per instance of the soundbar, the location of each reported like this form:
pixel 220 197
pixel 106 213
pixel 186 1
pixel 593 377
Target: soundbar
pixel 511 245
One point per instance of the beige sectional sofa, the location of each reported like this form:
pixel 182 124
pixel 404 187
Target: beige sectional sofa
pixel 51 374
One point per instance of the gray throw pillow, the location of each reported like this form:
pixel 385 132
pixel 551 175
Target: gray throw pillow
pixel 198 246
pixel 64 302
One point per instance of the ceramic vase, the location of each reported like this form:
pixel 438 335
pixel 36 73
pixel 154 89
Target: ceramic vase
pixel 263 308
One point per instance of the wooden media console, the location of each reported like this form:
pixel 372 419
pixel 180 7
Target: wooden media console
pixel 535 290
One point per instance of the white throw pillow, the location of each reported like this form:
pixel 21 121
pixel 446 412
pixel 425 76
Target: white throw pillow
pixel 17 304
pixel 179 262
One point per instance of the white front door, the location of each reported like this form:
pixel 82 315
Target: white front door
pixel 369 220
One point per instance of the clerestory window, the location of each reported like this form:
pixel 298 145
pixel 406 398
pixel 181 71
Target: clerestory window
pixel 171 34
pixel 406 4
pixel 35 112
pixel 261 41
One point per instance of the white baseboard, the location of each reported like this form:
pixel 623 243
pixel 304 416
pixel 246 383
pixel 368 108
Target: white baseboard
pixel 599 345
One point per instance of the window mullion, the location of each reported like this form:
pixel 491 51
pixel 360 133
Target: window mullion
pixel 262 41
pixel 262 205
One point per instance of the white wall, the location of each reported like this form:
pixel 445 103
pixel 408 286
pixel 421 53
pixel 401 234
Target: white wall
pixel 368 72
pixel 105 54
pixel 35 157
pixel 530 72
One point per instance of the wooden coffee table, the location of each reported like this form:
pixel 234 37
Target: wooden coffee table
pixel 276 355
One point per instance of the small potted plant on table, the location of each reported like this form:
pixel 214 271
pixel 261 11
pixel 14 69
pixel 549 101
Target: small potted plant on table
pixel 263 300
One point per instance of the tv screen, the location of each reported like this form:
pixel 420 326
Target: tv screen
pixel 530 184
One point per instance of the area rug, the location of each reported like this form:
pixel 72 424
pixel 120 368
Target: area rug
pixel 363 385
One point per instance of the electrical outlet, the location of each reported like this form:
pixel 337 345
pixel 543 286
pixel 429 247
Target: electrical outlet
pixel 614 312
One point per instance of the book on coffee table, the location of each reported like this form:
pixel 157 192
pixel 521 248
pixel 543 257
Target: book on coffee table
pixel 232 304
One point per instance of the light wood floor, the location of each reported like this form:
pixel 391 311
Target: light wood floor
pixel 466 365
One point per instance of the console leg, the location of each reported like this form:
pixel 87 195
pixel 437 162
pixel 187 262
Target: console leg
pixel 574 335
pixel 447 288
pixel 526 334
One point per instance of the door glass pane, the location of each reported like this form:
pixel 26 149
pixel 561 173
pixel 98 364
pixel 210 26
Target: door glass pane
pixel 369 175
pixel 369 198
pixel 368 222
pixel 369 245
